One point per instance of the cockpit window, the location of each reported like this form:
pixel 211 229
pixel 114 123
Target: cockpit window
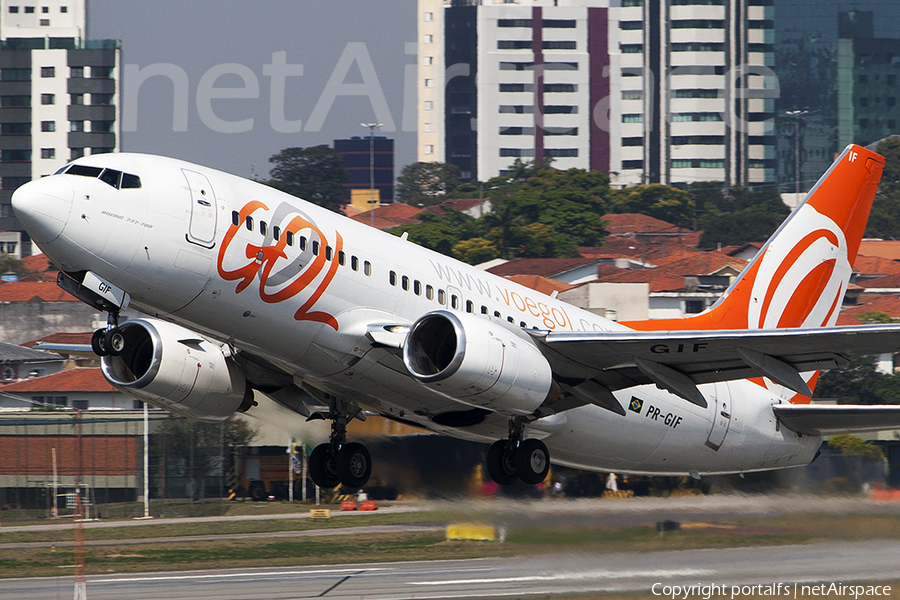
pixel 130 181
pixel 112 177
pixel 84 171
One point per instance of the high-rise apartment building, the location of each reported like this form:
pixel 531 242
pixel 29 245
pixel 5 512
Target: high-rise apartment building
pixel 669 92
pixel 59 94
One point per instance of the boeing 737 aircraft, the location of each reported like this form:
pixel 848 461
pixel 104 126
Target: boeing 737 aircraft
pixel 248 289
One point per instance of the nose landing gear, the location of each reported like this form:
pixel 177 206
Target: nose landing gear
pixel 109 341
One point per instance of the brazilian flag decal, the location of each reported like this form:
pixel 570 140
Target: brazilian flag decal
pixel 636 404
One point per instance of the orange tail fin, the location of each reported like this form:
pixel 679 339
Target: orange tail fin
pixel 799 277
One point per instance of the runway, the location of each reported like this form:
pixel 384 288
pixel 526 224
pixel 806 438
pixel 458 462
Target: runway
pixel 519 577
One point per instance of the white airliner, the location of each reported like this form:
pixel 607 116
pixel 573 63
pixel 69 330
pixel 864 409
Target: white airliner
pixel 250 289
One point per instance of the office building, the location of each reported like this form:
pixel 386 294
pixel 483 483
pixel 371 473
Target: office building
pixel 650 92
pixel 59 93
pixel 358 154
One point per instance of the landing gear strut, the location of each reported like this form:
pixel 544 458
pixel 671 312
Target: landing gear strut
pixel 516 458
pixel 109 341
pixel 337 461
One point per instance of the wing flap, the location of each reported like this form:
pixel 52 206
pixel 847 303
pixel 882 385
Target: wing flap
pixel 813 419
pixel 613 358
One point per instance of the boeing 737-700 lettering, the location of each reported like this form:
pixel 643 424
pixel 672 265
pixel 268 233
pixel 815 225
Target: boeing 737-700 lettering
pixel 250 291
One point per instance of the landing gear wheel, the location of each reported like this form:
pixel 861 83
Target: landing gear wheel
pixel 323 467
pixel 98 342
pixel 354 465
pixel 532 461
pixel 114 341
pixel 501 463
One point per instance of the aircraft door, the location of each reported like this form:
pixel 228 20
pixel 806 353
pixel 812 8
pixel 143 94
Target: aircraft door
pixel 721 419
pixel 202 225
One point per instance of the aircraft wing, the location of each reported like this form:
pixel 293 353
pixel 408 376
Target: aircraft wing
pixel 679 360
pixel 813 419
pixel 80 350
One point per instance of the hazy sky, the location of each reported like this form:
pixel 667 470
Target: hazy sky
pixel 220 49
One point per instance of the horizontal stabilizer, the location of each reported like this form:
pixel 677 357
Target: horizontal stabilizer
pixel 813 419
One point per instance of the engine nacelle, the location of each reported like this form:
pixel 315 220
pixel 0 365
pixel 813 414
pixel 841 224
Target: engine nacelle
pixel 176 369
pixel 477 362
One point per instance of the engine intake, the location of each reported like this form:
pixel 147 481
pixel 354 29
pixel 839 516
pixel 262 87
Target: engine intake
pixel 176 369
pixel 478 362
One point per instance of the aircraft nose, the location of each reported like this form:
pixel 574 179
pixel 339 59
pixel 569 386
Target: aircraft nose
pixel 42 207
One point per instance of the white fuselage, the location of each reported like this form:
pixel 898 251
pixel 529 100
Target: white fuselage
pixel 173 245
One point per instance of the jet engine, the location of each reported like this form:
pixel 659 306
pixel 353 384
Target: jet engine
pixel 176 369
pixel 478 362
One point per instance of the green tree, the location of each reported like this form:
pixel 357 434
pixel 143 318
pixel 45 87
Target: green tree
pixel 426 183
pixel 315 174
pixel 194 450
pixel 475 250
pixel 438 233
pixel 859 383
pixel 656 200
pixel 884 221
pixel 851 444
pixel 741 215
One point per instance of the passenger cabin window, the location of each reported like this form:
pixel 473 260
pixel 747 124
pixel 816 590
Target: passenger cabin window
pixel 442 297
pixel 522 324
pixel 328 252
pixel 470 306
pixel 249 223
pixel 497 313
pixel 510 319
pixel 341 258
pixel 417 287
pixel 392 276
pixel 429 292
pixel 484 309
pixel 276 233
pixel 404 283
pixel 235 217
pixel 315 247
pixel 367 268
pixel 289 237
pixel 302 242
pixel 454 301
pixel 263 227
pixel 354 264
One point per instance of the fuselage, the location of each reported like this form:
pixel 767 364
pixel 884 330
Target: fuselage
pixel 300 286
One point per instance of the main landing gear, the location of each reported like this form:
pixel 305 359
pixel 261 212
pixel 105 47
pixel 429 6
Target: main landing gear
pixel 109 341
pixel 338 461
pixel 515 458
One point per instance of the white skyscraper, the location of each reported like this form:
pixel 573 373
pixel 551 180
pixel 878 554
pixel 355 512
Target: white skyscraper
pixel 672 91
pixel 59 93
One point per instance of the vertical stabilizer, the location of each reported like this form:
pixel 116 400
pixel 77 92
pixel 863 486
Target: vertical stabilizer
pixel 799 277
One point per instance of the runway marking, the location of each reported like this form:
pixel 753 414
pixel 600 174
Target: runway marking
pixel 234 575
pixel 570 577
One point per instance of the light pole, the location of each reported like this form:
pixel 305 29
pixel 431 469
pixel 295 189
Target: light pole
pixel 796 114
pixel 372 127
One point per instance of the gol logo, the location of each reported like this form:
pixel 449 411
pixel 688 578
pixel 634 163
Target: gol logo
pixel 308 270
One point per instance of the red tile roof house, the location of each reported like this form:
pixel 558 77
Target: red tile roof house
pixel 82 388
pixel 32 309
